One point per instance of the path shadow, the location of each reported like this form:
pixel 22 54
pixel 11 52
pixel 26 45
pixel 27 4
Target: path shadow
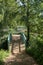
pixel 1 62
pixel 22 59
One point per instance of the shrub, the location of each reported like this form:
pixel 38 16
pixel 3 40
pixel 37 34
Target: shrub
pixel 36 50
pixel 4 45
pixel 3 55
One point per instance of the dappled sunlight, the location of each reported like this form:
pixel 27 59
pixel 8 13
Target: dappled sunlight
pixel 19 58
pixel 21 32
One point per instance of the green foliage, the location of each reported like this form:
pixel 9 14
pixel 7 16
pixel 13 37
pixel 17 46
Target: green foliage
pixel 36 49
pixel 3 55
pixel 4 44
pixel 30 15
pixel 1 63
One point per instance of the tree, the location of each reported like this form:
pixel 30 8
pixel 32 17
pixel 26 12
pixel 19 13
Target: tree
pixel 26 11
pixel 31 16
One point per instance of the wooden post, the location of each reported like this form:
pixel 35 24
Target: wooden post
pixel 12 48
pixel 19 47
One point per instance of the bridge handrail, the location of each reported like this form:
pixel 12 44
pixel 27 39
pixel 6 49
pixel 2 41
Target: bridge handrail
pixel 23 38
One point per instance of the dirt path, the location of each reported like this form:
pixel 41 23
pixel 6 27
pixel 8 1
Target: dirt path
pixel 19 58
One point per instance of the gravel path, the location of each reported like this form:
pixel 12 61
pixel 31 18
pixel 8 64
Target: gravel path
pixel 19 58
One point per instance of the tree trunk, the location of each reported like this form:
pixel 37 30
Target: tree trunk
pixel 27 42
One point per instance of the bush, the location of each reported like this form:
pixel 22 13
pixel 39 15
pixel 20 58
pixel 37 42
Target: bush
pixel 4 45
pixel 3 55
pixel 1 63
pixel 36 50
